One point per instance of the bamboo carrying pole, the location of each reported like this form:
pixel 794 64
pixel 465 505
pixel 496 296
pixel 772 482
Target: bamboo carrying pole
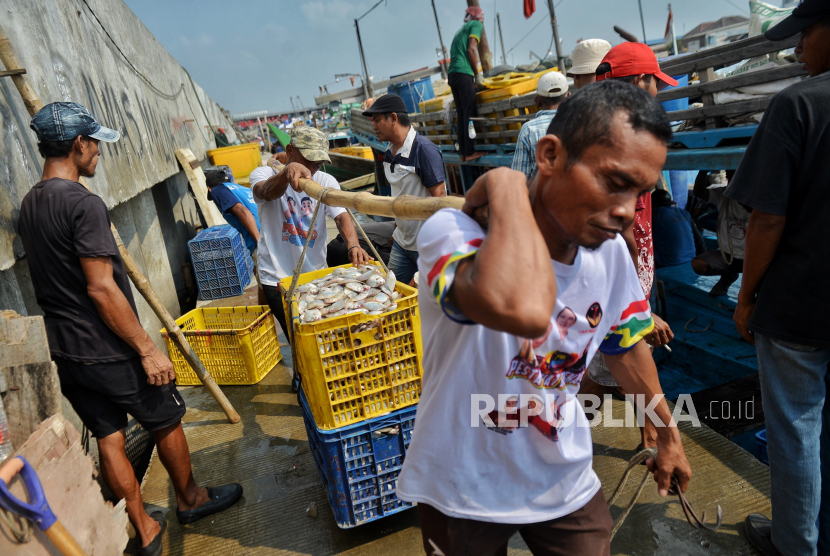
pixel 407 207
pixel 33 104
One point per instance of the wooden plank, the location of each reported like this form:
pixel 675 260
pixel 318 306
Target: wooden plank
pixel 196 178
pixel 731 109
pixel 697 55
pixel 358 183
pixel 744 80
pixel 68 480
pixel 735 53
pixel 713 158
pixel 486 135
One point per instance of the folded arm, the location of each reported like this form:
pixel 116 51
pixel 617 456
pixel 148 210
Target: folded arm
pixel 509 285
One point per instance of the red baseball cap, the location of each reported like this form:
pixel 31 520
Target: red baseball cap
pixel 634 58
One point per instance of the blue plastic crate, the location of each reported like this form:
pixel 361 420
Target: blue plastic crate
pixel 761 439
pixel 359 464
pixel 220 262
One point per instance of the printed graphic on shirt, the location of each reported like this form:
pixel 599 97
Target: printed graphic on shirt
pixel 594 315
pixel 635 323
pixel 557 369
pixel 507 421
pixel 298 221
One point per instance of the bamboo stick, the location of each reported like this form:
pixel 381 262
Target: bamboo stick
pixel 63 541
pixel 33 105
pixel 406 207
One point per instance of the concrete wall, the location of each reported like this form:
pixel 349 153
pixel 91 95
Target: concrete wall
pixel 132 85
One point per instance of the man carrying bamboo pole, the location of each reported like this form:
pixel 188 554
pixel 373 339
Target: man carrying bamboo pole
pixel 107 364
pixel 285 215
pixel 512 318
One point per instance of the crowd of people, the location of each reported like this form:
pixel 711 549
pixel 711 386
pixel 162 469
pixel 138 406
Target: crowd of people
pixel 550 300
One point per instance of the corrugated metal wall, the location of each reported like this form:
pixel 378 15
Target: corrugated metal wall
pixel 132 85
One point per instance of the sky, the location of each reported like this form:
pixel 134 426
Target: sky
pixel 256 54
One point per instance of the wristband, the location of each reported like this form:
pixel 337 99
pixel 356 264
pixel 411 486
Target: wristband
pixel 355 247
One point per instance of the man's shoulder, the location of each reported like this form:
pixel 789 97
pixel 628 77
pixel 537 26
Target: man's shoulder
pixel 325 179
pixel 425 144
pixel 806 91
pixel 261 173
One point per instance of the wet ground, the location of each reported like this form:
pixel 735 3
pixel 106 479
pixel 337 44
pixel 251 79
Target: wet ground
pixel 268 453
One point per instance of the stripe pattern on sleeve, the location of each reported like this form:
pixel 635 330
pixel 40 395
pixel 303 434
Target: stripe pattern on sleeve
pixel 635 323
pixel 441 277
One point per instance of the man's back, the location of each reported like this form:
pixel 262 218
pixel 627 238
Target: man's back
pixel 61 221
pixel 458 50
pixel 789 175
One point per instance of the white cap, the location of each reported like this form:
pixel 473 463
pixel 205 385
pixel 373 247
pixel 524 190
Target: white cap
pixel 552 84
pixel 587 55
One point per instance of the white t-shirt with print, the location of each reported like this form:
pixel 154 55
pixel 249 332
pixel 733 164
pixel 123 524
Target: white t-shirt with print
pixel 284 226
pixel 511 472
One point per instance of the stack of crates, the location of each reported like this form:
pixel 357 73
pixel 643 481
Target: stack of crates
pixel 361 380
pixel 360 464
pixel 220 262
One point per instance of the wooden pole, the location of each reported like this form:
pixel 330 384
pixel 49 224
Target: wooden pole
pixel 33 104
pixel 406 207
pixel 63 541
pixel 560 60
pixel 483 45
pixel 501 40
pixel 441 42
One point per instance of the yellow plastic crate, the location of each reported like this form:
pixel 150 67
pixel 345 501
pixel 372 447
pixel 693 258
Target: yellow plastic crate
pixel 243 159
pixel 351 376
pixel 238 345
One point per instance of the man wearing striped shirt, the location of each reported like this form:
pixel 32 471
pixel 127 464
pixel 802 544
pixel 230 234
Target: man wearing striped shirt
pixel 551 90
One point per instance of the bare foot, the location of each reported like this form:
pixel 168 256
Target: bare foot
pixel 476 155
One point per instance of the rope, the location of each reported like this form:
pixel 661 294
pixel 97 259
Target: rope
pixel 688 511
pixel 642 455
pixel 296 276
pixel 369 241
pixel 19 526
pixel 696 331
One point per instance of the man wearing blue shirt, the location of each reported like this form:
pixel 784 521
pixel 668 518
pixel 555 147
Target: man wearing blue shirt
pixel 236 203
pixel 551 90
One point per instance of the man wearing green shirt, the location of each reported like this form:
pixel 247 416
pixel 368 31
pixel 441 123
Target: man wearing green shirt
pixel 464 76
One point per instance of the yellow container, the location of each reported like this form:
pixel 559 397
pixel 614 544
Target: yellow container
pixel 242 159
pixel 513 86
pixel 436 105
pixel 350 376
pixel 238 345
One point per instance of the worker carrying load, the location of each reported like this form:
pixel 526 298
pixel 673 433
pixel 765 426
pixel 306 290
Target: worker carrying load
pixel 511 320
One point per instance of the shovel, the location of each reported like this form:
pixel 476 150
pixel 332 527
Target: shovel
pixel 37 510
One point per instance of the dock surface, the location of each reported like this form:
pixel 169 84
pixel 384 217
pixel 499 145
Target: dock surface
pixel 268 453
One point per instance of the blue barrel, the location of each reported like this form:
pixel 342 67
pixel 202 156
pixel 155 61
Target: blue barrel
pixel 413 92
pixel 679 103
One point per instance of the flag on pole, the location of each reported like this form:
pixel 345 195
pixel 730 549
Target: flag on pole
pixel 667 37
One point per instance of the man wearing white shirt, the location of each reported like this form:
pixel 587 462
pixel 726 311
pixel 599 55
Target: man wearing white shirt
pixel 511 318
pixel 282 207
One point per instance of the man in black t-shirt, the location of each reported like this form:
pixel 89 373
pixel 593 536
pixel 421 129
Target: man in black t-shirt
pixel 784 298
pixel 107 364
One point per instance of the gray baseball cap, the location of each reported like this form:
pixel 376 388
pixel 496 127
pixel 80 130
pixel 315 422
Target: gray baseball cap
pixel 63 121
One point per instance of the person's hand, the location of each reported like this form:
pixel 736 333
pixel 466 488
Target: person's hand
pixel 741 317
pixel 158 367
pixel 359 256
pixel 671 460
pixel 281 158
pixel 480 79
pixel 661 335
pixel 294 172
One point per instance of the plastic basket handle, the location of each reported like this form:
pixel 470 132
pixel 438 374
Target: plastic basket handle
pixel 37 510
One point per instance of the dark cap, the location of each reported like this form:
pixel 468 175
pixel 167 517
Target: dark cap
pixel 386 104
pixel 63 121
pixel 804 15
